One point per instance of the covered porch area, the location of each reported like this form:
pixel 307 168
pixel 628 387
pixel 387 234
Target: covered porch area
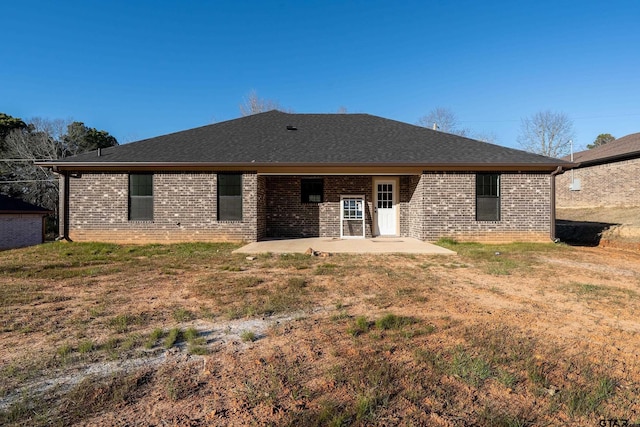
pixel 343 206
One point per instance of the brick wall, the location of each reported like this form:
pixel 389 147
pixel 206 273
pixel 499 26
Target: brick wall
pixel 336 186
pixel 262 207
pixel 19 230
pixel 352 228
pixel 448 208
pixel 185 209
pixel 287 216
pixel 612 184
pixel 416 210
pixel 432 206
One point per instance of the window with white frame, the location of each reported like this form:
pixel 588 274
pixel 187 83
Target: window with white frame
pixel 352 208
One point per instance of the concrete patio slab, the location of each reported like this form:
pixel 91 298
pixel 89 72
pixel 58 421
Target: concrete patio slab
pixel 378 245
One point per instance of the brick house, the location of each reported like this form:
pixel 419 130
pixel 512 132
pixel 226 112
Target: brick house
pixel 21 223
pixel 608 175
pixel 280 175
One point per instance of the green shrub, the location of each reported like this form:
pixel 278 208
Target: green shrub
pixel 248 336
pixel 174 336
pixel 85 347
pixel 64 350
pixel 153 338
pixel 360 326
pixel 182 315
pixel 121 322
pixel 391 321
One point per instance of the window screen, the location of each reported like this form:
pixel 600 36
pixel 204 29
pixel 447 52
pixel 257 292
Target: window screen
pixel 488 197
pixel 230 197
pixel 312 190
pixel 352 208
pixel 140 197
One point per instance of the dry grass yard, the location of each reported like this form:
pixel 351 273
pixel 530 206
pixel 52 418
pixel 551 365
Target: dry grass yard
pixel 191 335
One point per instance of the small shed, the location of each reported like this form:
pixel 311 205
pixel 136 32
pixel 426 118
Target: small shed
pixel 21 223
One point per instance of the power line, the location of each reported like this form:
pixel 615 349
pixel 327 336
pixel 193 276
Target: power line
pixel 602 116
pixel 29 180
pixel 606 116
pixel 489 121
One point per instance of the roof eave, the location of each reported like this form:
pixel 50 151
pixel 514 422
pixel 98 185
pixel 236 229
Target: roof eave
pixel 610 159
pixel 24 212
pixel 523 166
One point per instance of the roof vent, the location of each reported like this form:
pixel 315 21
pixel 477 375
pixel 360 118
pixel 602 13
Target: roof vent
pixel 289 127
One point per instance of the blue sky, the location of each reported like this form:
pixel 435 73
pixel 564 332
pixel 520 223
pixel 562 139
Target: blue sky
pixel 139 69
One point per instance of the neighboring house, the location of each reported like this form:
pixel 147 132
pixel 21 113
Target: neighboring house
pixel 280 175
pixel 608 175
pixel 21 223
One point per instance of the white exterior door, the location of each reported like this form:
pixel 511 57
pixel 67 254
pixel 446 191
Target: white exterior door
pixel 386 207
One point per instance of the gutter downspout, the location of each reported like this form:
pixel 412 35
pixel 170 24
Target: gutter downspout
pixel 552 233
pixel 63 208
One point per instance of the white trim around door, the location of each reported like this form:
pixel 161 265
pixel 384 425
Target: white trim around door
pixel 385 206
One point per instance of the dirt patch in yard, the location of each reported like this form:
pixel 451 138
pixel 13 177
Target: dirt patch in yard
pixel 497 335
pixel 612 215
pixel 604 226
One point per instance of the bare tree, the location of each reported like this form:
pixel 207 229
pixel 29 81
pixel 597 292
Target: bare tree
pixel 547 133
pixel 31 183
pixel 489 136
pixel 44 139
pixel 54 128
pixel 253 104
pixel 444 120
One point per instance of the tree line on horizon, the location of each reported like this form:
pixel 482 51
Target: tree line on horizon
pixel 23 142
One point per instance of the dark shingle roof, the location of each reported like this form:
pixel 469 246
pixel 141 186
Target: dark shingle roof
pixel 12 205
pixel 349 139
pixel 620 149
